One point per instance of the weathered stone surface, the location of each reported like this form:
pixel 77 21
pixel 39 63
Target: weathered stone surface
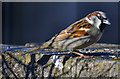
pixel 39 65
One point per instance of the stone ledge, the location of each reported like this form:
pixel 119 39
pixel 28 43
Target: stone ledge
pixel 39 65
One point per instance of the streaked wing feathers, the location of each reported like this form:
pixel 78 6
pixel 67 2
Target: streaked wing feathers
pixel 77 29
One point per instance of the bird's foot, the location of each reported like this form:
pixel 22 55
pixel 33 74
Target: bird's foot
pixel 80 55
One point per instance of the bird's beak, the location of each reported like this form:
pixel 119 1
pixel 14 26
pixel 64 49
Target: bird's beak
pixel 106 21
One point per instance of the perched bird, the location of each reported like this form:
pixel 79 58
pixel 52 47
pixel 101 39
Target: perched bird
pixel 80 34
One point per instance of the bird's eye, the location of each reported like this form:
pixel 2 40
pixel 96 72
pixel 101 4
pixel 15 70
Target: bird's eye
pixel 100 17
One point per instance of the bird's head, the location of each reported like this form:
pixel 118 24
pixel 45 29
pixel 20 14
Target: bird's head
pixel 98 19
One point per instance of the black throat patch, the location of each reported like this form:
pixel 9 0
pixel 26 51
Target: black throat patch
pixel 102 26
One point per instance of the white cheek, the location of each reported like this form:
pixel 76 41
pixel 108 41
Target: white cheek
pixel 94 21
pixel 97 23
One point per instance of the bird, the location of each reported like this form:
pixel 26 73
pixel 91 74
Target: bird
pixel 80 34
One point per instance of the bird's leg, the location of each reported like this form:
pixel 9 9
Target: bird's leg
pixel 80 54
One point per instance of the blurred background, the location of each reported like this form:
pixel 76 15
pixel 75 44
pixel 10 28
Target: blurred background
pixel 35 22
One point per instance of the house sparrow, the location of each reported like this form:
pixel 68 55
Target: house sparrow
pixel 80 34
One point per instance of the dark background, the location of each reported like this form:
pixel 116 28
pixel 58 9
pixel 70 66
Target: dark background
pixel 36 22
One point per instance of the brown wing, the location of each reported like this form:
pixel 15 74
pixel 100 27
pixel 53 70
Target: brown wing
pixel 77 29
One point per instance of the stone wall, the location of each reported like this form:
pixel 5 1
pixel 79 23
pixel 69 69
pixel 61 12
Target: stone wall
pixel 38 65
